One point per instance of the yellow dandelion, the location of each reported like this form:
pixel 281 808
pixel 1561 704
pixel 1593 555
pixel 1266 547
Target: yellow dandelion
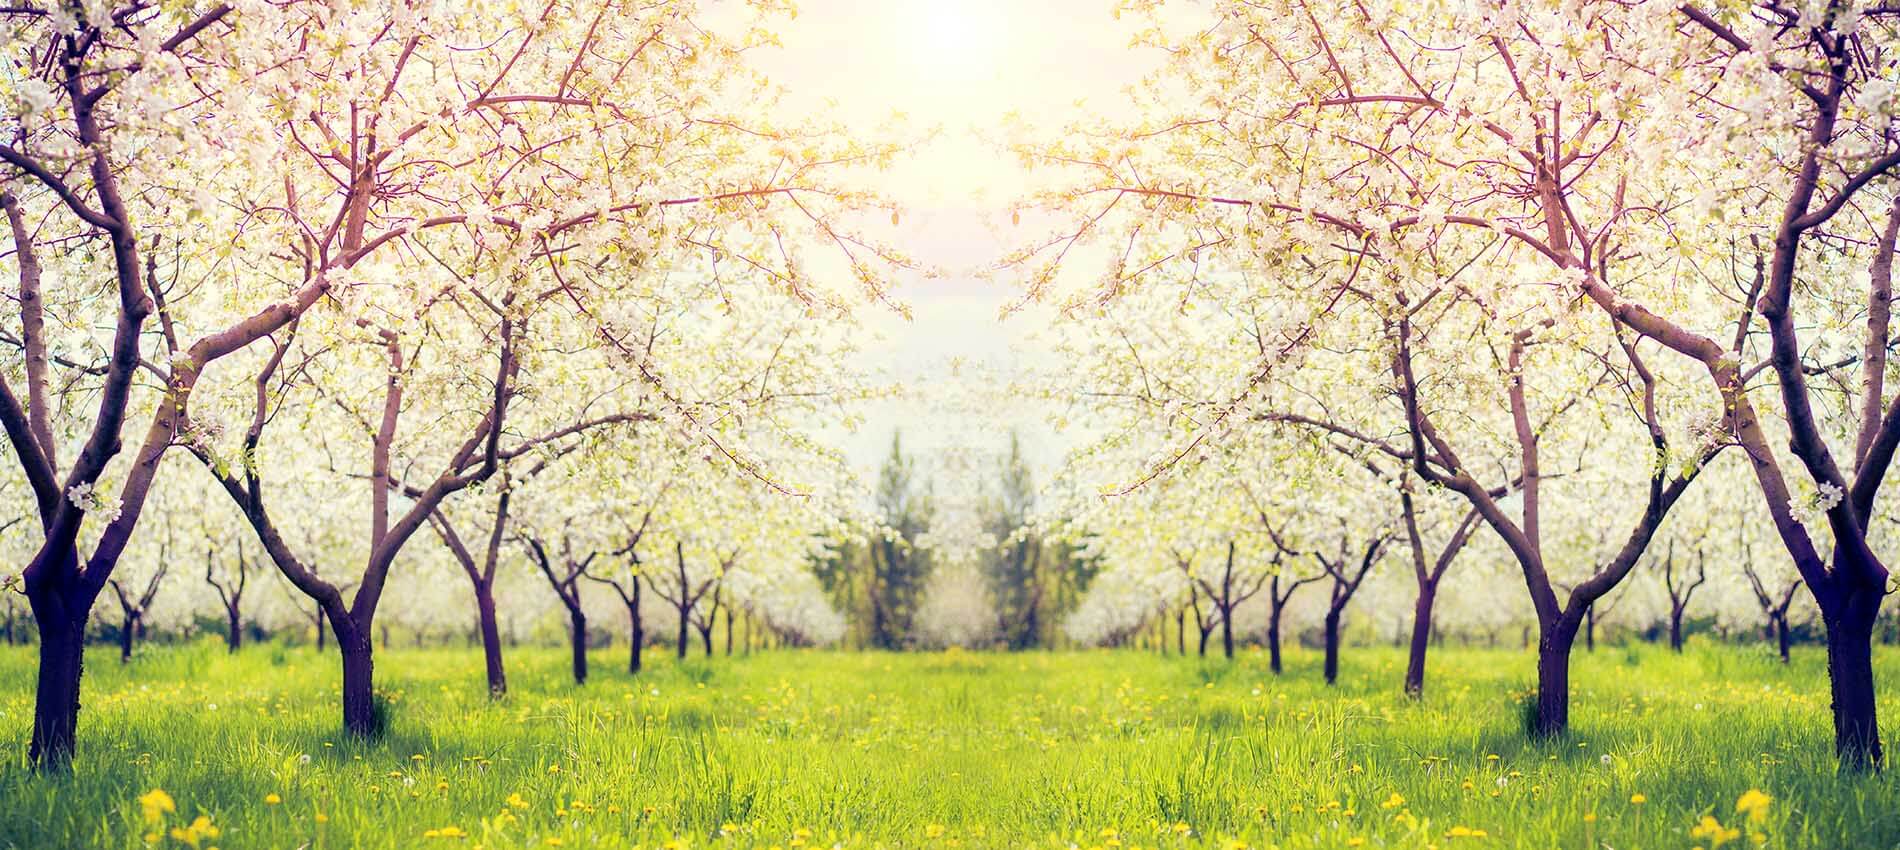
pixel 154 804
pixel 1754 804
pixel 272 799
pixel 1638 799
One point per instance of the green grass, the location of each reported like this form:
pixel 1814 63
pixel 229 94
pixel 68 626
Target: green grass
pixel 937 750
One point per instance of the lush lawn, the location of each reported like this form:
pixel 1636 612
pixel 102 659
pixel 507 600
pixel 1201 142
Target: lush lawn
pixel 817 749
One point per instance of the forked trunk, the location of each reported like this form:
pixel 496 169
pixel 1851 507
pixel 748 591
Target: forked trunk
pixel 1781 636
pixel 705 638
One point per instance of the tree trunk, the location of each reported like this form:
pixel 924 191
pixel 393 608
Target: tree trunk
pixel 125 639
pixel 577 622
pixel 323 631
pixel 491 641
pixel 1273 641
pixel 1590 629
pixel 1421 641
pixel 1781 636
pixel 728 630
pixel 234 631
pixel 636 635
pixel 682 641
pixel 1675 629
pixel 1180 633
pixel 1553 678
pixel 359 692
pixel 56 702
pixel 705 639
pixel 1227 631
pixel 1850 670
pixel 1202 648
pixel 1332 646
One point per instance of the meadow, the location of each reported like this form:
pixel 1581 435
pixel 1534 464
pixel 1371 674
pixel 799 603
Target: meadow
pixel 826 749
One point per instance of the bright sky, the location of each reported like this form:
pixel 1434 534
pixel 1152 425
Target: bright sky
pixel 961 65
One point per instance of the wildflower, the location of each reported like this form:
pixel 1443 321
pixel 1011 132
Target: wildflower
pixel 515 801
pixel 303 759
pixel 1393 801
pixel 1605 758
pixel 1465 832
pixel 445 832
pixel 1714 831
pixel 272 799
pixel 199 829
pixel 155 803
pixel 1638 799
pixel 933 831
pixel 1754 804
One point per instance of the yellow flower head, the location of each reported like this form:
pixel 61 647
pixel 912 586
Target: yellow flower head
pixel 154 804
pixel 1714 831
pixel 1753 803
pixel 272 799
pixel 1393 801
pixel 1638 799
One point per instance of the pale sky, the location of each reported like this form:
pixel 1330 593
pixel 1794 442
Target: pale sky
pixel 962 66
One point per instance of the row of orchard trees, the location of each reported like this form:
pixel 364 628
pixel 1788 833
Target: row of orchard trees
pixel 1524 272
pixel 378 269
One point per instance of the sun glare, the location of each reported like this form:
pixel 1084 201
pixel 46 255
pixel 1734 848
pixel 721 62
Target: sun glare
pixel 956 41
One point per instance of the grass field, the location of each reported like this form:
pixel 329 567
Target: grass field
pixel 814 749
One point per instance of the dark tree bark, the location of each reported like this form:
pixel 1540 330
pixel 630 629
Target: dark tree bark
pixel 1435 460
pixel 60 585
pixel 1224 596
pixel 1428 579
pixel 478 458
pixel 1279 599
pixel 703 621
pixel 565 581
pixel 134 607
pixel 481 574
pixel 1680 591
pixel 231 594
pixel 1774 606
pixel 627 587
pixel 1346 575
pixel 685 596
